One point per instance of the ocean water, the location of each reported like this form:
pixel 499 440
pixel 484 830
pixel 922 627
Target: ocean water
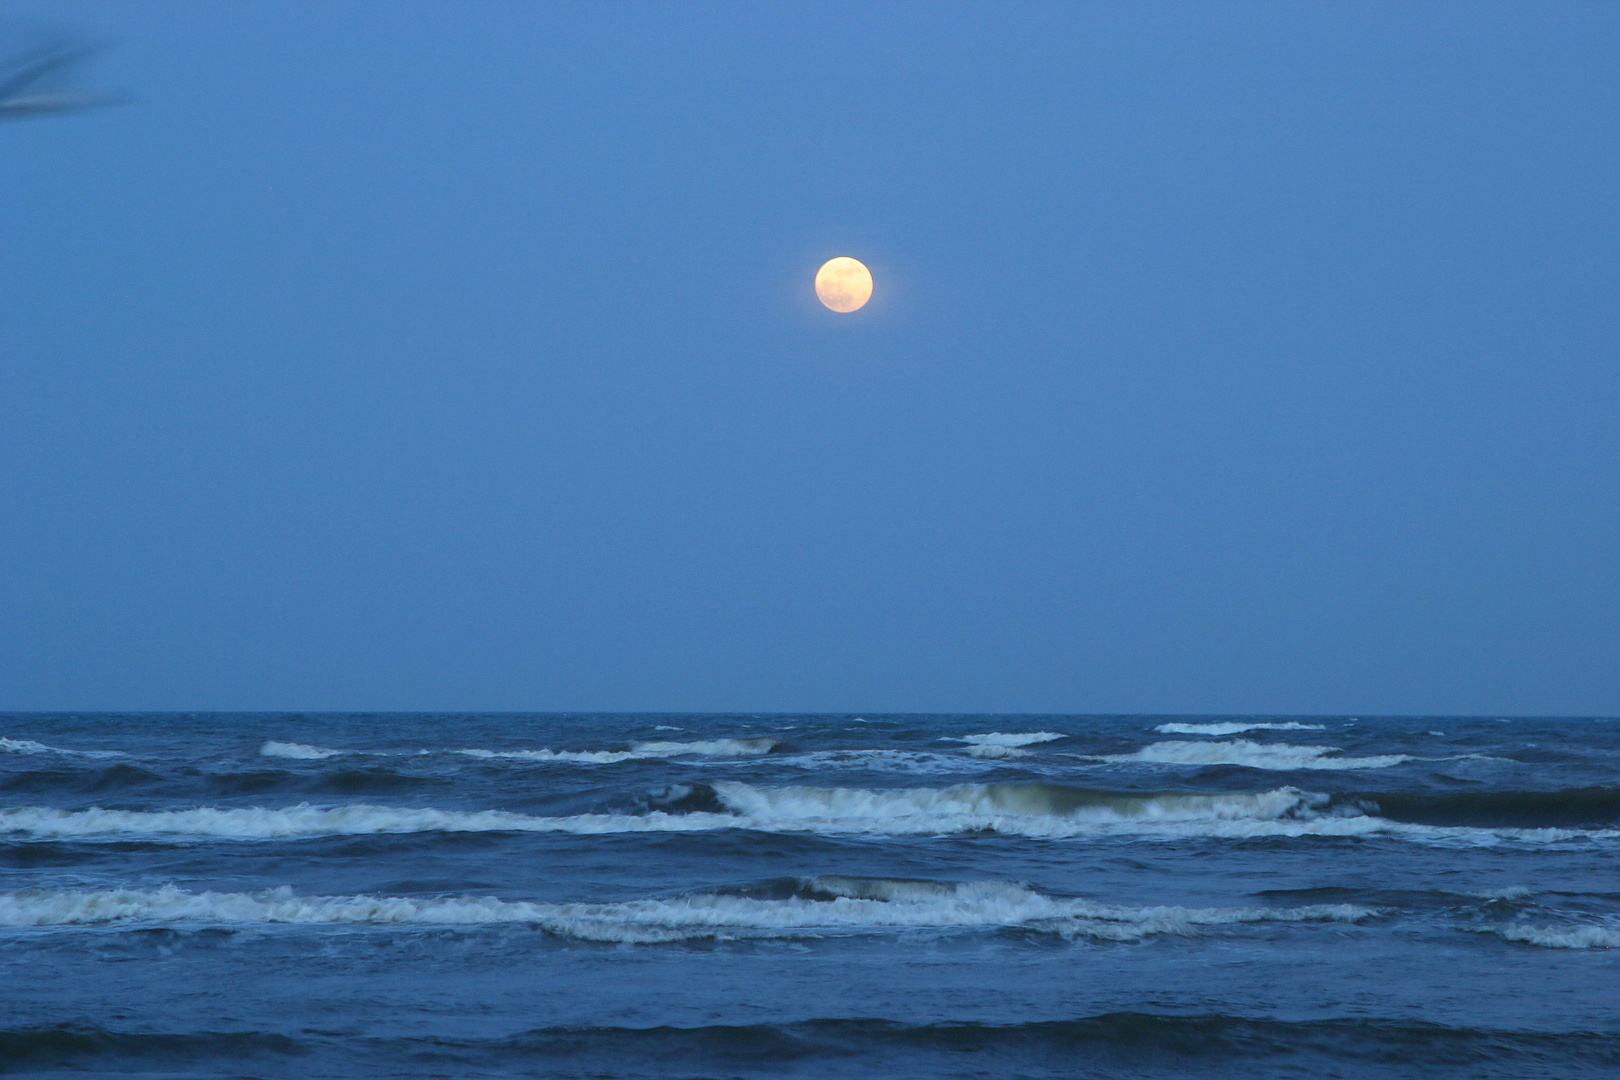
pixel 805 896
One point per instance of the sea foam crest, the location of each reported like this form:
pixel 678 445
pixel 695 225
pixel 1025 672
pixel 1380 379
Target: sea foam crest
pixel 1036 810
pixel 1233 728
pixel 29 746
pixel 915 762
pixel 996 752
pixel 640 751
pixel 637 752
pixel 1564 937
pixel 298 751
pixel 995 745
pixel 1013 809
pixel 303 821
pixel 1274 756
pixel 1017 738
pixel 819 906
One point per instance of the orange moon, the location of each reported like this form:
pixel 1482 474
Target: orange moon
pixel 844 284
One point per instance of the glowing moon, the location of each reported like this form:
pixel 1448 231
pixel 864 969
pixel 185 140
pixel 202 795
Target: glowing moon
pixel 844 284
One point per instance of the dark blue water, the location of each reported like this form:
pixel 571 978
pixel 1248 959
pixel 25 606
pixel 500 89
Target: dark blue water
pixel 894 896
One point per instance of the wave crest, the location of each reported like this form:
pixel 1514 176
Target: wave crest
pixel 1233 727
pixel 1277 757
pixel 29 746
pixel 1564 937
pixel 1043 811
pixel 641 751
pixel 817 906
pixel 298 751
pixel 1017 738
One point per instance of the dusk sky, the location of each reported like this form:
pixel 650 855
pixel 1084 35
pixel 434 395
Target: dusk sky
pixel 1222 358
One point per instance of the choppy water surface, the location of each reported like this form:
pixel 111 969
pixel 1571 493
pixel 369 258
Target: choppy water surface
pixel 671 896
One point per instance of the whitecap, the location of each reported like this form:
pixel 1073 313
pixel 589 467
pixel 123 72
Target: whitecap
pixel 298 751
pixel 29 746
pixel 994 751
pixel 1274 756
pixel 915 762
pixel 23 746
pixel 1043 811
pixel 822 906
pixel 1563 937
pixel 1233 728
pixel 1012 739
pixel 641 751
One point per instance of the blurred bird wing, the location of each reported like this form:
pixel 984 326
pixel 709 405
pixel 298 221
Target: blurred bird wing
pixel 34 65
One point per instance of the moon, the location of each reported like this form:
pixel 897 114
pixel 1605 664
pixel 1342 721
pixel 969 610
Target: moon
pixel 844 284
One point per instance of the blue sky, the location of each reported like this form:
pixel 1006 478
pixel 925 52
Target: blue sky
pixel 1223 358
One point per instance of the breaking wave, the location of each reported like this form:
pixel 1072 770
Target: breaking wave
pixel 914 762
pixel 1569 808
pixel 640 751
pixel 801 908
pixel 304 821
pixel 1047 811
pixel 1233 728
pixel 1274 756
pixel 637 752
pixel 994 751
pixel 1563 937
pixel 298 751
pixel 998 738
pixel 1000 745
pixel 29 746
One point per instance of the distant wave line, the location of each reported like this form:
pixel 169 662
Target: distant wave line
pixel 817 906
pixel 1037 811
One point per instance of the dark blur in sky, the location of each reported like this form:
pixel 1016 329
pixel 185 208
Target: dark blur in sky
pixel 1223 358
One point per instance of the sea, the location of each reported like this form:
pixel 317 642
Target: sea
pixel 850 896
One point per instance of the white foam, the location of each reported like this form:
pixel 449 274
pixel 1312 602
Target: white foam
pixel 303 821
pixel 995 752
pixel 1511 892
pixel 1028 810
pixel 298 751
pixel 642 751
pixel 1019 809
pixel 1233 728
pixel 1050 811
pixel 29 746
pixel 1017 738
pixel 836 906
pixel 1564 937
pixel 914 762
pixel 23 746
pixel 1274 756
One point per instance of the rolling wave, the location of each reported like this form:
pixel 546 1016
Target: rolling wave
pixel 813 907
pixel 1278 757
pixel 29 746
pixel 641 751
pixel 1021 738
pixel 1571 807
pixel 304 821
pixel 914 762
pixel 1119 1044
pixel 298 751
pixel 993 752
pixel 1043 811
pixel 1234 727
pixel 1563 937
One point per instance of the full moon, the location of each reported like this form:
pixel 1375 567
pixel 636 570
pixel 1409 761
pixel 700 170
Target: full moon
pixel 844 284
